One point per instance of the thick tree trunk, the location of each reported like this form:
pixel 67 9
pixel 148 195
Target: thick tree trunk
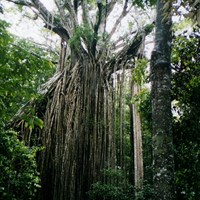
pixel 163 157
pixel 79 122
pixel 77 136
pixel 79 116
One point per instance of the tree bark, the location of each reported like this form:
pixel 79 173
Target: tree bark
pixel 77 139
pixel 163 155
pixel 138 151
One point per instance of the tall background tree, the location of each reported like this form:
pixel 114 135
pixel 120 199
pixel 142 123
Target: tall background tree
pixel 185 95
pixel 162 139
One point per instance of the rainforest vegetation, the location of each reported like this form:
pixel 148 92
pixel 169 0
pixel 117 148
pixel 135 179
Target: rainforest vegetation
pixel 106 118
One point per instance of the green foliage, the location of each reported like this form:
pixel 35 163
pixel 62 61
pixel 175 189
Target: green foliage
pixel 30 117
pixel 180 26
pixel 140 99
pixel 23 68
pixel 84 33
pixel 19 178
pixel 109 192
pixel 115 187
pixel 139 72
pixel 186 126
pixel 21 72
pixel 146 193
pixel 143 3
pixel 148 28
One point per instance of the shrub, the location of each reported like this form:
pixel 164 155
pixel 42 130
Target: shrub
pixel 19 179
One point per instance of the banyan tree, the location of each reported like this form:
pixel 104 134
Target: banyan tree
pixel 78 102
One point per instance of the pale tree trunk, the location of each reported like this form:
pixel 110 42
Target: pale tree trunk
pixel 163 156
pixel 138 151
pixel 136 140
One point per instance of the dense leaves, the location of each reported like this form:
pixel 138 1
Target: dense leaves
pixel 186 126
pixel 22 71
pixel 19 178
pixel 186 95
pixel 113 187
pixel 23 68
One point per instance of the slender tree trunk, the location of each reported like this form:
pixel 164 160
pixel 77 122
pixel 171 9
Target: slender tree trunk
pixel 136 140
pixel 131 170
pixel 163 156
pixel 138 151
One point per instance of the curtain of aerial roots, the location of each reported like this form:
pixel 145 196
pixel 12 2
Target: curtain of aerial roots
pixel 120 108
pixel 120 86
pixel 138 151
pixel 79 133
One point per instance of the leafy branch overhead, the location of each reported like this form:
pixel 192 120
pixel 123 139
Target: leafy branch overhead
pixel 24 66
pixel 82 28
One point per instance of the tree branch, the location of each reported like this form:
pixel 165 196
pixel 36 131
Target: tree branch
pixel 46 15
pixel 110 7
pixel 76 4
pixel 69 17
pixel 96 26
pixel 110 4
pixel 132 48
pixel 52 23
pixel 129 51
pixel 86 18
pixel 64 19
pixel 20 2
pixel 118 21
pixel 72 12
pixel 34 54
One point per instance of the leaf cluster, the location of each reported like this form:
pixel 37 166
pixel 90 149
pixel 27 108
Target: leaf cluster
pixel 186 126
pixel 82 34
pixel 118 187
pixel 115 188
pixel 139 72
pixel 185 59
pixel 19 178
pixel 30 117
pixel 21 72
